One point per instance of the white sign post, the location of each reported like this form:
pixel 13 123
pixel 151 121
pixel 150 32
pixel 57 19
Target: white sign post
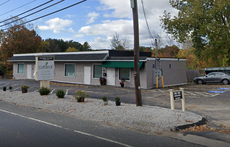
pixel 44 70
pixel 177 95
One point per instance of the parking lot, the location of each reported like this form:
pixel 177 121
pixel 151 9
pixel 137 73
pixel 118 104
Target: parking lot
pixel 213 106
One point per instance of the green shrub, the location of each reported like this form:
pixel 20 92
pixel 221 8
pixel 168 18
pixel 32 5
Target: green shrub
pixel 117 99
pixel 104 98
pixel 4 88
pixel 60 93
pixel 10 87
pixel 44 91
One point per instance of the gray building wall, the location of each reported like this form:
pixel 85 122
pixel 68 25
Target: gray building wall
pixel 17 75
pixel 176 75
pixel 79 73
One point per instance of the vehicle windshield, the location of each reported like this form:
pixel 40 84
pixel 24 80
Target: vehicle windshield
pixel 227 73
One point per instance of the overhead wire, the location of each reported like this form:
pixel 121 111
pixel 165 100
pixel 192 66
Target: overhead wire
pixel 50 13
pixel 27 11
pixel 4 2
pixel 147 24
pixel 18 7
pixel 33 13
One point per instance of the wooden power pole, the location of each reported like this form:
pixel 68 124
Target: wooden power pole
pixel 136 53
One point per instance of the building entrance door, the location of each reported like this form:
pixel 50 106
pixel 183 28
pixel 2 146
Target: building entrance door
pixel 87 74
pixel 111 76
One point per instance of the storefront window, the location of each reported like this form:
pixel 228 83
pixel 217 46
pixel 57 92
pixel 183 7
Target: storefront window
pixel 124 73
pixel 70 70
pixel 97 71
pixel 21 68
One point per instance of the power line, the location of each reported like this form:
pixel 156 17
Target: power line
pixel 50 13
pixel 4 2
pixel 150 34
pixel 27 11
pixel 33 13
pixel 18 7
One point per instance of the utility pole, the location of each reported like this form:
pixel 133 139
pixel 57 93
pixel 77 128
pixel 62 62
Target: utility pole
pixel 136 53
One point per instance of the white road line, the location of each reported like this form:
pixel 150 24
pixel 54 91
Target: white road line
pixel 212 95
pixel 55 125
pixel 102 138
pixel 66 92
pixel 161 91
pixel 201 93
pixel 191 93
pixel 52 91
pixel 4 85
pixel 17 88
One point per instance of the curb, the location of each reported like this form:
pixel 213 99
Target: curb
pixel 199 123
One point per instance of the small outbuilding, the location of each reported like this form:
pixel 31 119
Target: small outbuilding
pixel 88 67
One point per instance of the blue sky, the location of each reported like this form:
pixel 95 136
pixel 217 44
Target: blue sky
pixel 94 21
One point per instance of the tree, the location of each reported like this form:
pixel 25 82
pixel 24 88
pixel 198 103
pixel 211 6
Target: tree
pixel 86 46
pixel 44 46
pixel 207 23
pixel 17 39
pixel 118 44
pixel 71 49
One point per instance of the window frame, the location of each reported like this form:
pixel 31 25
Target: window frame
pixel 74 69
pixel 23 68
pixel 93 71
pixel 129 74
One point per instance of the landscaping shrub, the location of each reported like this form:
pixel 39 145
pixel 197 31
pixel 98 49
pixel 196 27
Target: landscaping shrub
pixel 60 93
pixel 44 91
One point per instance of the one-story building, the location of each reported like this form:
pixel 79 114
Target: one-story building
pixel 87 67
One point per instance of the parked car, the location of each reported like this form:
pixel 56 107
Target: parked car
pixel 213 77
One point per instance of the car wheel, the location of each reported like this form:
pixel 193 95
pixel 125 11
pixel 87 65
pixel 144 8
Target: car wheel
pixel 225 82
pixel 199 82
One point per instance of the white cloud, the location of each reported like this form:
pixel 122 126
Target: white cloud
pixel 121 8
pixel 71 30
pixel 79 35
pixel 57 25
pixel 100 43
pixel 108 28
pixel 69 16
pixel 93 16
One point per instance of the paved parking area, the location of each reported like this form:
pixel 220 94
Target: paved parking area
pixel 213 106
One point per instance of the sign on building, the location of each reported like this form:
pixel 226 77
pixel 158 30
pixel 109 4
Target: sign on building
pixel 45 70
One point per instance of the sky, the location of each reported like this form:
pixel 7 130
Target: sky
pixel 94 21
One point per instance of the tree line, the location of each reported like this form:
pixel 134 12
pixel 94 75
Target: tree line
pixel 206 23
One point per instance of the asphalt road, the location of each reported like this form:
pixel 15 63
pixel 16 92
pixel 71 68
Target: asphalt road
pixel 26 126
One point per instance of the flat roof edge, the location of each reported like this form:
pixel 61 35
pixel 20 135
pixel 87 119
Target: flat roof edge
pixel 62 53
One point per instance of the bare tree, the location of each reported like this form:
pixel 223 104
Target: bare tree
pixel 119 44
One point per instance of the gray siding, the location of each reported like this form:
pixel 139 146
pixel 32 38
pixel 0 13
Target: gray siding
pixel 17 75
pixel 176 75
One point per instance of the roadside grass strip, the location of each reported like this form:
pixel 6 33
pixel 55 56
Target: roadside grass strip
pixel 216 91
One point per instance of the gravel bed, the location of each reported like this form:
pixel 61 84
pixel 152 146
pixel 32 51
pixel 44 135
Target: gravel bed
pixel 149 119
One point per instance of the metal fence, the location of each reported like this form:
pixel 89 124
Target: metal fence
pixel 192 73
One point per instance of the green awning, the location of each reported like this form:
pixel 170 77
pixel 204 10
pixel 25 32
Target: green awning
pixel 121 64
